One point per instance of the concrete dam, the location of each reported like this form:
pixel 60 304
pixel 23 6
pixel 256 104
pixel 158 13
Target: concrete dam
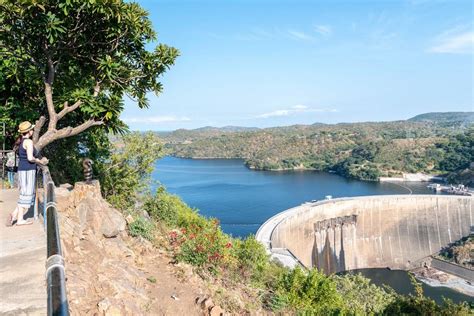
pixel 393 231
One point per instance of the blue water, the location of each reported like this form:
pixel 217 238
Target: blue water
pixel 243 199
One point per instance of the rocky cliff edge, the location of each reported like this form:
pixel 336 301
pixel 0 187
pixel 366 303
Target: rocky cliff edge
pixel 110 273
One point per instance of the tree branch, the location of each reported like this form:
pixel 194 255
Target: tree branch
pixel 67 109
pixel 70 131
pixel 53 135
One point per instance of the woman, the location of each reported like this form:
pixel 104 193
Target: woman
pixel 26 174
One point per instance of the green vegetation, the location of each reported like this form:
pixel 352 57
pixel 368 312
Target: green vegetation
pixel 308 292
pixel 67 65
pixel 356 289
pixel 458 157
pixel 460 252
pixel 125 173
pixel 363 151
pixel 141 227
pixel 243 264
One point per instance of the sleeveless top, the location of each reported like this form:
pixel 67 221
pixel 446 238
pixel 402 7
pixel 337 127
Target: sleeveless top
pixel 24 164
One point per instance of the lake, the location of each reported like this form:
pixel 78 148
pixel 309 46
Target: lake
pixel 243 199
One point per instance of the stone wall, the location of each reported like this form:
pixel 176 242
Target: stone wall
pixel 394 231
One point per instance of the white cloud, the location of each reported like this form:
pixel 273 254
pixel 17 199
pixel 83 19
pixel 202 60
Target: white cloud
pixel 452 42
pixel 299 35
pixel 296 109
pixel 324 30
pixel 299 107
pixel 156 119
pixel 260 34
pixel 275 113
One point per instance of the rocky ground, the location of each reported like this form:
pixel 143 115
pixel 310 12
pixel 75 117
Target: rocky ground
pixel 436 277
pixel 111 273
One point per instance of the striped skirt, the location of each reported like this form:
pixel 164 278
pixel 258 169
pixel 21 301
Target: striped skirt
pixel 26 185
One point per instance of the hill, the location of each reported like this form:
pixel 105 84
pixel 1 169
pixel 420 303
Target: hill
pixel 442 117
pixel 365 151
pixel 225 129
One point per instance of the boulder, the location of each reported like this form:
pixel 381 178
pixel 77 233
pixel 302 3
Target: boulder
pixel 104 305
pixel 92 211
pixel 66 186
pixel 100 217
pixel 207 304
pixel 216 311
pixel 62 195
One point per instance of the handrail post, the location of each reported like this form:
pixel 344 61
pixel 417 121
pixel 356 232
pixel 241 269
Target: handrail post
pixel 55 272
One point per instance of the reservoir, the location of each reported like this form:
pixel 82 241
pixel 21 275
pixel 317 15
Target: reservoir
pixel 243 199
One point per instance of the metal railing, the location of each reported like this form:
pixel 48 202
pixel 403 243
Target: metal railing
pixel 55 274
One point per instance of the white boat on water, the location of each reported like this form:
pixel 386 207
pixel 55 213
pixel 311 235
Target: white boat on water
pixel 458 190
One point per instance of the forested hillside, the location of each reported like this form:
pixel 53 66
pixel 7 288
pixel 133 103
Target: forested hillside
pixel 364 151
pixel 445 117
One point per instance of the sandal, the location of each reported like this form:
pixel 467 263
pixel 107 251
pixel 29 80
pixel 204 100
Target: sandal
pixel 9 222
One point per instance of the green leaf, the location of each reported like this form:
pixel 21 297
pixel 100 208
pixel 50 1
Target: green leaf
pixel 88 41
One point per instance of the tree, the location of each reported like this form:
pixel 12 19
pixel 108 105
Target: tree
pixel 127 172
pixel 458 151
pixel 361 296
pixel 70 63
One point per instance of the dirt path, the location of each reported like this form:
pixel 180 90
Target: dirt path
pixel 127 276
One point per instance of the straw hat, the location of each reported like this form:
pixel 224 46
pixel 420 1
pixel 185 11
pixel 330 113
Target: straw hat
pixel 25 127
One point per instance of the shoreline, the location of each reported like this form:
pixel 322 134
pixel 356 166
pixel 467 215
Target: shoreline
pixel 437 278
pixel 407 177
pixel 286 169
pixel 413 177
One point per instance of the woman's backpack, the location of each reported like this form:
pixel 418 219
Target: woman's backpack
pixel 11 162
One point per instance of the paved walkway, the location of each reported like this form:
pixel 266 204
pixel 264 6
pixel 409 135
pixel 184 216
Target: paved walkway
pixel 22 263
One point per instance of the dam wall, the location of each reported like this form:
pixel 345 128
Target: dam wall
pixel 394 231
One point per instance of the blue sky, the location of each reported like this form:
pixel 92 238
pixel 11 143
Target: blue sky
pixel 271 63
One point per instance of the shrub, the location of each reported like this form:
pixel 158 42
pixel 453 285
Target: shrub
pixel 361 297
pixel 163 207
pixel 170 210
pixel 203 245
pixel 309 293
pixel 142 227
pixel 252 258
pixel 127 172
